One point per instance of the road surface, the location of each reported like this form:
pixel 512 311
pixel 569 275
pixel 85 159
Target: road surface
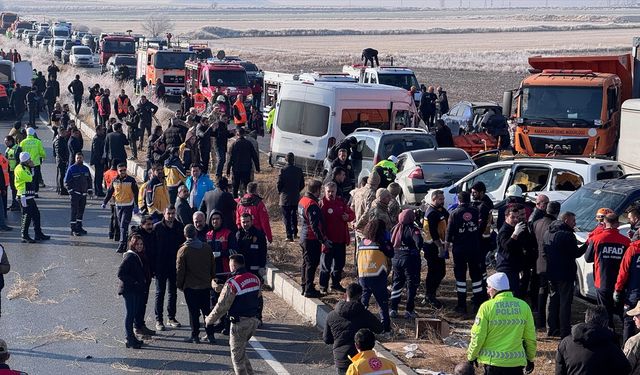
pixel 67 316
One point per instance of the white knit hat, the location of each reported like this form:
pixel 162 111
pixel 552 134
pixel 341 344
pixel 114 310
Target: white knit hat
pixel 24 156
pixel 498 281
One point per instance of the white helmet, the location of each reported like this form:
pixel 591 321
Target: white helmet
pixel 393 158
pixel 220 99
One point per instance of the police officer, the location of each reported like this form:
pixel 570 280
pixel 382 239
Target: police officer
pixel 78 183
pixel 33 146
pixel 503 336
pixel 484 204
pixel 252 244
pixel 25 186
pixel 387 171
pixel 463 235
pixel 435 251
pixel 606 250
pixel 13 155
pixel 239 300
pixel 407 242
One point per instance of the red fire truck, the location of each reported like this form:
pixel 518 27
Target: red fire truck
pixel 214 76
pixel 166 65
pixel 116 44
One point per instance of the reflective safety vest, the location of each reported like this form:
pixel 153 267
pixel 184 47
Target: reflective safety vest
pixel 371 260
pixel 23 179
pixel 503 333
pixel 33 146
pixel 3 92
pixel 270 118
pixel 4 166
pixel 368 363
pixel 123 106
pixel 12 156
pixel 198 102
pixel 242 111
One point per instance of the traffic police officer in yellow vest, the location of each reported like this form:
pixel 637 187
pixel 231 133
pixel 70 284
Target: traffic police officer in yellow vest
pixel 33 146
pixel 503 336
pixel 239 300
pixel 25 186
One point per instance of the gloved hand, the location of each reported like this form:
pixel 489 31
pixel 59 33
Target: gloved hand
pixel 617 296
pixel 23 201
pixel 103 206
pixel 520 227
pixel 136 210
pixel 529 368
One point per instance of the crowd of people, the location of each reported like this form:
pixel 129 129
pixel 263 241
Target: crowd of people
pixel 205 230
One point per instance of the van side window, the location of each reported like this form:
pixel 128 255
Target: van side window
pixel 531 178
pixel 374 78
pixel 364 118
pixel 303 118
pixel 366 148
pixel 492 179
pixel 564 180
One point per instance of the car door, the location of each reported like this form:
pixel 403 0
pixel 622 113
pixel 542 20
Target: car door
pixel 496 179
pixel 362 160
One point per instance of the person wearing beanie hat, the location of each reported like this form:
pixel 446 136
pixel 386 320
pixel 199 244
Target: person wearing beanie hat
pixel 33 146
pixel 25 187
pixel 503 335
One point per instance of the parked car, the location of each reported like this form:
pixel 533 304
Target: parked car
pixel 25 35
pixel 619 195
pixel 81 56
pixel 44 43
pixel 375 145
pixel 86 39
pixel 66 50
pixel 57 47
pixel 40 35
pixel 465 115
pixel 431 168
pixel 555 177
pixel 114 63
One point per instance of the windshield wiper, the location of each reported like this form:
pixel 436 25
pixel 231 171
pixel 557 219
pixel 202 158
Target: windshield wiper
pixel 575 121
pixel 539 120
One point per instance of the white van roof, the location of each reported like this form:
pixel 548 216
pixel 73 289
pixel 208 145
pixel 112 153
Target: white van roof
pixel 349 90
pixel 633 104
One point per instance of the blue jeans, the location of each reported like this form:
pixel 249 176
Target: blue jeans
pixel 132 304
pixel 161 288
pixel 377 285
pixel 124 219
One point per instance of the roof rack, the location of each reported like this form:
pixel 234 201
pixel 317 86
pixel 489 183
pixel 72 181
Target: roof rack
pixel 415 130
pixel 626 176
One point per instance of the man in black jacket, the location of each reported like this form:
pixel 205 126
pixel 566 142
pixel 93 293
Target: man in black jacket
pixel 18 101
pixel 184 212
pixel 97 160
pixel 221 200
pixel 175 134
pixel 347 318
pixel 540 210
pixel 515 243
pixel 204 132
pixel 76 88
pixel 442 103
pixel 368 55
pixel 146 110
pixel 75 144
pixel 133 131
pixel 61 154
pixel 32 102
pixel 560 249
pixel 252 244
pixel 169 237
pixel 463 235
pixel 241 155
pixel 484 204
pixel 592 348
pixel 290 184
pixel 114 145
pixel 427 107
pixel 221 134
pixel 538 229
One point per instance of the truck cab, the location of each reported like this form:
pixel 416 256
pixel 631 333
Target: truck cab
pixel 168 65
pixel 215 76
pixel 386 75
pixel 571 105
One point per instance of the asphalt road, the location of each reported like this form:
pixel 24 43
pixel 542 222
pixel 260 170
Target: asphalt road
pixel 68 317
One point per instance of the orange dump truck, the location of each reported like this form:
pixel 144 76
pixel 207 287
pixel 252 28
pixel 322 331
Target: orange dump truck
pixel 571 105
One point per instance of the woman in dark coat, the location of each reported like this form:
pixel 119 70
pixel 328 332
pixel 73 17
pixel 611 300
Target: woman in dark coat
pixel 132 285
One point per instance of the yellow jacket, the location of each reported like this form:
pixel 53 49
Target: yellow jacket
pixel 371 260
pixel 33 146
pixel 368 362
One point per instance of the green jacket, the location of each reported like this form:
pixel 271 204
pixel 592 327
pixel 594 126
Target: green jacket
pixel 503 333
pixel 388 164
pixel 13 154
pixel 23 178
pixel 33 146
pixel 270 118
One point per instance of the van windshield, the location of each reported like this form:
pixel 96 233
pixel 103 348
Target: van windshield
pixel 364 118
pixel 303 118
pixel 404 81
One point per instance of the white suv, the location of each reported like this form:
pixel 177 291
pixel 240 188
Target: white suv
pixel 555 177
